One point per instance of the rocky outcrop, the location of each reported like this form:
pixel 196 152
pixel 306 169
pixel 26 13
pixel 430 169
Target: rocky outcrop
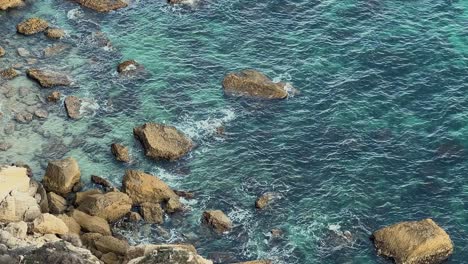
pixel 32 26
pixel 120 152
pixel 111 206
pixel 48 78
pixel 103 5
pixel 5 4
pixel 165 254
pixel 254 84
pixel 142 187
pixel 162 142
pixel 73 107
pixel 50 224
pixel 152 213
pixel 217 220
pixel 57 204
pixel 61 176
pixel 55 33
pixel 414 242
pixel 89 223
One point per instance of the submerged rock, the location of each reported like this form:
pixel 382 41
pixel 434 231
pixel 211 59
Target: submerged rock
pixel 255 84
pixel 103 5
pixel 48 78
pixel 265 199
pixel 9 73
pixel 61 176
pixel 414 242
pixel 120 152
pixel 55 33
pixel 73 106
pixel 163 142
pixel 22 52
pixel 32 26
pixel 2 50
pixel 111 206
pixel 129 67
pixel 23 117
pixel 54 96
pixel 217 220
pixel 41 113
pixel 264 261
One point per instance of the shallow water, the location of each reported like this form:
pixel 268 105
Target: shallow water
pixel 378 134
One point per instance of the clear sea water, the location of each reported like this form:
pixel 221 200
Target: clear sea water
pixel 378 135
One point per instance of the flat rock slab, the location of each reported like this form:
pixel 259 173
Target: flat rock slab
pixel 48 78
pixel 253 83
pixel 103 5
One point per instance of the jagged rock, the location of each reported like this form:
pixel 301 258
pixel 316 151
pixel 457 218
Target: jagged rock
pixel 70 222
pixel 61 176
pixel 107 244
pixel 134 217
pixel 255 84
pixel 101 181
pixel 73 106
pixel 185 194
pixel 162 142
pixel 265 199
pixel 111 206
pixel 49 224
pixel 48 78
pixel 55 33
pixel 5 4
pixel 120 152
pixel 32 26
pixel 152 213
pixel 165 254
pixel 57 204
pixel 414 242
pixel 54 96
pixel 81 196
pixel 129 67
pixel 9 73
pixel 93 224
pixel 217 220
pixel 103 5
pixel 142 187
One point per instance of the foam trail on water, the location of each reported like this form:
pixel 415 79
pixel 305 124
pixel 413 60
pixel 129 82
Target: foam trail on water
pixel 201 129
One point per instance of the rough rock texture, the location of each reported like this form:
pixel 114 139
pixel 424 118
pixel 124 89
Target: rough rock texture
pixel 103 5
pixel 111 206
pixel 152 213
pixel 120 152
pixel 73 226
pixel 255 84
pixel 217 220
pixel 142 187
pixel 2 50
pixel 18 229
pixel 73 107
pixel 107 244
pixel 13 178
pixel 414 242
pixel 50 224
pixel 55 33
pixel 32 26
pixel 5 4
pixel 9 73
pixel 263 261
pixel 265 199
pixel 134 217
pixel 57 204
pixel 81 196
pixel 90 223
pixel 54 96
pixel 129 67
pixel 48 78
pixel 61 176
pixel 162 142
pixel 41 113
pixel 165 254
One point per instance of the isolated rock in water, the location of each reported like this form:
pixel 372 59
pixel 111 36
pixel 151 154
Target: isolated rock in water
pixel 93 224
pixel 9 73
pixel 152 213
pixel 2 50
pixel 165 254
pixel 5 4
pixel 415 242
pixel 57 204
pixel 120 152
pixel 73 107
pixel 55 33
pixel 50 224
pixel 264 261
pixel 107 244
pixel 111 206
pixel 255 84
pixel 54 96
pixel 163 142
pixel 61 176
pixel 142 187
pixel 41 113
pixel 103 5
pixel 32 26
pixel 265 199
pixel 48 78
pixel 129 67
pixel 22 52
pixel 217 220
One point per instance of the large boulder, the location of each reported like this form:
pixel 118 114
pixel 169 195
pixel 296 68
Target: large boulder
pixel 254 84
pixel 5 4
pixel 413 242
pixel 120 152
pixel 61 176
pixel 32 26
pixel 48 78
pixel 91 223
pixel 165 254
pixel 70 222
pixel 162 142
pixel 152 213
pixel 111 206
pixel 73 106
pixel 142 187
pixel 81 196
pixel 107 244
pixel 103 5
pixel 50 224
pixel 217 220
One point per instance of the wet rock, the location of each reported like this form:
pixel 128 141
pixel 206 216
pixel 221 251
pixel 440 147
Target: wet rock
pixel 61 176
pixel 414 242
pixel 4 146
pixel 32 26
pixel 265 199
pixel 162 142
pixel 70 222
pixel 48 78
pixel 111 206
pixel 254 84
pixel 81 196
pixel 41 113
pixel 57 204
pixel 93 224
pixel 5 4
pixel 101 181
pixel 103 5
pixel 23 52
pixel 165 254
pixel 120 152
pixel 152 213
pixel 185 194
pixel 134 217
pixel 107 244
pixel 78 186
pixel 129 67
pixel 217 220
pixel 2 50
pixel 54 96
pixel 142 187
pixel 276 233
pixel 9 73
pixel 23 117
pixel 256 262
pixel 55 33
pixel 73 106
pixel 49 224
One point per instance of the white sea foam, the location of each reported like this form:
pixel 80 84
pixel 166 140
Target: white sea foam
pixel 201 129
pixel 74 13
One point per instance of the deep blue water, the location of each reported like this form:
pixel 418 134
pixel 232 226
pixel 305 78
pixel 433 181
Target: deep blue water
pixel 378 134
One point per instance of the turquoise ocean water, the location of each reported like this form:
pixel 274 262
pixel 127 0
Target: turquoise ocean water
pixel 379 133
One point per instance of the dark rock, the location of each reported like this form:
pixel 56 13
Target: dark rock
pixel 152 213
pixel 101 181
pixel 185 194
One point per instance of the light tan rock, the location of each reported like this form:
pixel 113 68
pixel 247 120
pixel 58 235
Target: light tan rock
pixel 70 222
pixel 110 258
pixel 73 106
pixel 217 220
pixel 120 152
pixel 55 33
pixel 32 26
pixel 57 204
pixel 17 229
pixel 81 196
pixel 93 224
pixel 19 206
pixel 111 206
pixel 13 178
pixel 48 78
pixel 61 176
pixel 152 213
pixel 263 261
pixel 254 84
pixel 6 4
pixel 103 5
pixel 265 199
pixel 107 244
pixel 164 254
pixel 50 224
pixel 414 242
